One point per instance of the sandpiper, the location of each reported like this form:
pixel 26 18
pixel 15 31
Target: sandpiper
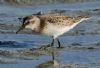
pixel 51 25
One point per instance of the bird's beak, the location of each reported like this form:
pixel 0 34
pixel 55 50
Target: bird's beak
pixel 21 28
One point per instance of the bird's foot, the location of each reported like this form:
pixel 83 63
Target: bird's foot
pixel 60 47
pixel 45 46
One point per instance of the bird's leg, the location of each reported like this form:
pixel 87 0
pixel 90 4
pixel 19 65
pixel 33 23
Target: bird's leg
pixel 49 45
pixel 52 43
pixel 59 45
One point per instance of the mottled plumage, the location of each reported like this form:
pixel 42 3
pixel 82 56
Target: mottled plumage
pixel 51 25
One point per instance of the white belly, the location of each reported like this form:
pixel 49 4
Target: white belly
pixel 52 30
pixel 55 31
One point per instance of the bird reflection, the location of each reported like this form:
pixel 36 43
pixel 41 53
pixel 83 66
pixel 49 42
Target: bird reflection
pixel 53 63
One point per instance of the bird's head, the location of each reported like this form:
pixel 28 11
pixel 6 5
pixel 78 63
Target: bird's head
pixel 30 22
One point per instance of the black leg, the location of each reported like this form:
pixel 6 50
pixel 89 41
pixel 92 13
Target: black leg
pixel 59 45
pixel 52 43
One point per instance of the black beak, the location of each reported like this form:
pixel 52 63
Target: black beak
pixel 24 23
pixel 21 28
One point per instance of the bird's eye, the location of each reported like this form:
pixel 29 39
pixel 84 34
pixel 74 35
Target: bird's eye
pixel 32 22
pixel 26 23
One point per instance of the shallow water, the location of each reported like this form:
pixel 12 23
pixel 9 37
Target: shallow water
pixel 25 50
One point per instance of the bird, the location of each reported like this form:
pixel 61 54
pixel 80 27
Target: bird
pixel 51 25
